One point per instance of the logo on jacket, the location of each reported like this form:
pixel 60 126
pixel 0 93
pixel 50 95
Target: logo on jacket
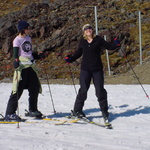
pixel 26 46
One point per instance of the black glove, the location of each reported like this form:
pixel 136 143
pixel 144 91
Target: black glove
pixel 16 63
pixel 117 42
pixel 35 55
pixel 41 56
pixel 68 59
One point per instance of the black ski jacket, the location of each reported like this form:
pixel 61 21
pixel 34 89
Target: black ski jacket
pixel 91 53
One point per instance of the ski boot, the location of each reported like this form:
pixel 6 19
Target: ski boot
pixel 78 114
pixel 37 114
pixel 106 120
pixel 14 117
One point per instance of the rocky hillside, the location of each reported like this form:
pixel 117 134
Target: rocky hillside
pixel 56 26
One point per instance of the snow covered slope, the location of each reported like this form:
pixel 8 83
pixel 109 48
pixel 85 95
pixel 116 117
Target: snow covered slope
pixel 129 113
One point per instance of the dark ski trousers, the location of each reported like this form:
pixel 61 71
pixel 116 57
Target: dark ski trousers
pixel 101 94
pixel 29 80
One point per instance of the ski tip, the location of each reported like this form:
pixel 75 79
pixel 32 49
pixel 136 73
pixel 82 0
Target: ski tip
pixel 109 127
pixel 61 123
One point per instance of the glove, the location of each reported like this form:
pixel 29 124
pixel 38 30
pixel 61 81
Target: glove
pixel 16 63
pixel 68 59
pixel 35 55
pixel 117 42
pixel 41 56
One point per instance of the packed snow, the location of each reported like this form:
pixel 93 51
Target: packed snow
pixel 129 114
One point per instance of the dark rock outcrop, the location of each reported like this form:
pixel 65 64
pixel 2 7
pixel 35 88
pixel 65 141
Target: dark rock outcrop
pixel 56 26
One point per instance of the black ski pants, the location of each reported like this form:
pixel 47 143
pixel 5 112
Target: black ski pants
pixel 101 94
pixel 29 80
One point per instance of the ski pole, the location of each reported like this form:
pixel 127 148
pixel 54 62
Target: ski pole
pixel 49 89
pixel 124 54
pixel 72 78
pixel 18 125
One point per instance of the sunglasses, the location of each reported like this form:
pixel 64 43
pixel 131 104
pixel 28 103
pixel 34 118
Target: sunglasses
pixel 87 28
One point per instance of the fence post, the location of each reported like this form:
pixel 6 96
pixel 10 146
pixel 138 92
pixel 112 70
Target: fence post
pixel 96 24
pixel 107 56
pixel 140 38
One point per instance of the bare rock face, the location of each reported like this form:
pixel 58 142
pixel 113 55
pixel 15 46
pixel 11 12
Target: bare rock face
pixel 57 25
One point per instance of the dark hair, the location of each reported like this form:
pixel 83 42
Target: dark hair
pixel 23 31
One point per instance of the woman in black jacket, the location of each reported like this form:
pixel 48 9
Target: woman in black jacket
pixel 90 48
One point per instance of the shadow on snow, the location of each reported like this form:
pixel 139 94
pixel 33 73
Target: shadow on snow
pixel 113 116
